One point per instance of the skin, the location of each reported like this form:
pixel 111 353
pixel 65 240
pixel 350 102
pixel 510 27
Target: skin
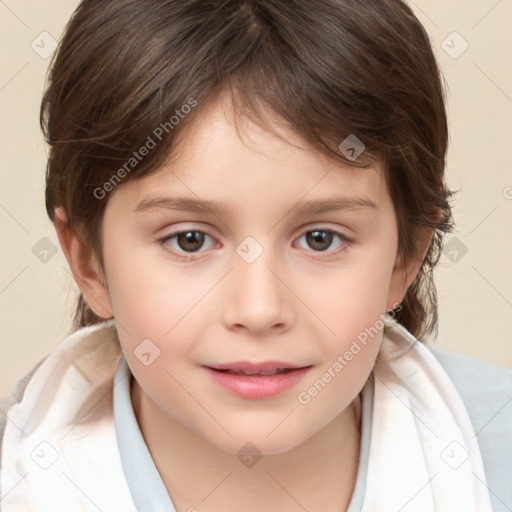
pixel 294 303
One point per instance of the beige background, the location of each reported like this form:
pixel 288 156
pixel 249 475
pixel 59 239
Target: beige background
pixel 475 287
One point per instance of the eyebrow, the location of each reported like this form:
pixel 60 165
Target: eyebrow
pixel 221 208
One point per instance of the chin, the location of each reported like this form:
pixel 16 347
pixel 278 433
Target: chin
pixel 254 442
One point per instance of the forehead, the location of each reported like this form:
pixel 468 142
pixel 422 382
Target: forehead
pixel 224 156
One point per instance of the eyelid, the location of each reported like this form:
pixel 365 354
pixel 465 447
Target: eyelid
pixel 323 226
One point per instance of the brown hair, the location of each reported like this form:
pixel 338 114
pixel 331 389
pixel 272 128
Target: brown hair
pixel 329 68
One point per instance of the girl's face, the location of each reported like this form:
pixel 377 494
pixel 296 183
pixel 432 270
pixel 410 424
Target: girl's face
pixel 251 251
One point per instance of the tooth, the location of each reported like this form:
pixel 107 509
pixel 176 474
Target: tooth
pixel 278 371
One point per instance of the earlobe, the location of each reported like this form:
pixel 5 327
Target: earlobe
pixel 84 266
pixel 404 273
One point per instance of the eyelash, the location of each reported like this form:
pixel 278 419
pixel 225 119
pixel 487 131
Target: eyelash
pixel 347 242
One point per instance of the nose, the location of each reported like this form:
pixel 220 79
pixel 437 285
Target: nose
pixel 257 301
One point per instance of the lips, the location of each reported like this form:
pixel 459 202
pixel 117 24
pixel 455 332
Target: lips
pixel 265 379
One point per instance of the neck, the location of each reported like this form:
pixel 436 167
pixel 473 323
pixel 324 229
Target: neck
pixel 318 474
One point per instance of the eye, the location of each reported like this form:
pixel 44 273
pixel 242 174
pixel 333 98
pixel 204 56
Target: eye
pixel 320 240
pixel 190 241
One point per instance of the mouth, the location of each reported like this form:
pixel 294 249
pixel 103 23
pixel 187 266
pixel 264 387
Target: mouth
pixel 257 380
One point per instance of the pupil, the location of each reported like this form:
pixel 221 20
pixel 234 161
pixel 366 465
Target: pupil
pixel 191 240
pixel 319 240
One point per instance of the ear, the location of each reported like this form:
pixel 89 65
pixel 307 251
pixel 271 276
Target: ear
pixel 84 266
pixel 404 274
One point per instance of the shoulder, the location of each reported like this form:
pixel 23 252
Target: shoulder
pixel 477 381
pixel 92 352
pixel 474 378
pixel 13 398
pixel 486 390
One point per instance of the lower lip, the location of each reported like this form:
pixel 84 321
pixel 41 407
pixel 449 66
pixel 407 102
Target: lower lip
pixel 257 386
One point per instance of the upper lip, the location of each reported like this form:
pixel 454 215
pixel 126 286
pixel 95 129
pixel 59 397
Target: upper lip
pixel 262 366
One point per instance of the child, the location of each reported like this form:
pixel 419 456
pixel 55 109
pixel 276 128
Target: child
pixel 276 362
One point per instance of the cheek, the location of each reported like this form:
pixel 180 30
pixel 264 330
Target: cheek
pixel 354 314
pixel 153 301
pixel 352 298
pixel 147 293
pixel 351 304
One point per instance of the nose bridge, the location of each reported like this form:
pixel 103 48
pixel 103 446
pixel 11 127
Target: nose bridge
pixel 257 300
